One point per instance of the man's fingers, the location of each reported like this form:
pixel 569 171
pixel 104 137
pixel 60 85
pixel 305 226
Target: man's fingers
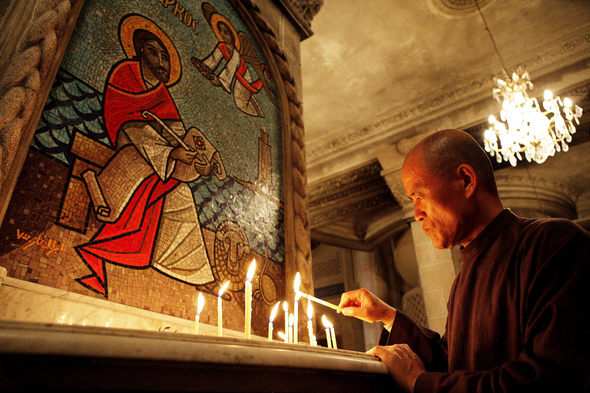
pixel 350 311
pixel 377 351
pixel 385 353
pixel 346 299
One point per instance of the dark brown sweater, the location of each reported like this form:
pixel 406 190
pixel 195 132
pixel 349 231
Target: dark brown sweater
pixel 518 313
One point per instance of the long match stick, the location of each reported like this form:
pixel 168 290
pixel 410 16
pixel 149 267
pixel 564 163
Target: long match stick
pixel 320 301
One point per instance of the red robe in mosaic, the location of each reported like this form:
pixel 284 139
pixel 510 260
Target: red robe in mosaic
pixel 130 240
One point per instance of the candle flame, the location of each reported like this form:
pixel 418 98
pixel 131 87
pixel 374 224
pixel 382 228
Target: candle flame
pixel 291 319
pixel 200 303
pixel 283 336
pixel 297 282
pixel 251 270
pixel 327 324
pixel 223 288
pixel 309 310
pixel 273 313
pixel 285 306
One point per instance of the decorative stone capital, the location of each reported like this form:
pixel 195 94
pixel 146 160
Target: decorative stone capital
pixel 394 181
pixel 391 159
pixel 532 197
pixel 301 13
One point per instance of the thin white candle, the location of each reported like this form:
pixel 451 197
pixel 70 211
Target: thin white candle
pixel 286 310
pixel 220 309
pixel 248 300
pixel 334 345
pixel 296 284
pixel 290 329
pixel 200 305
pixel 273 314
pixel 309 322
pixel 326 326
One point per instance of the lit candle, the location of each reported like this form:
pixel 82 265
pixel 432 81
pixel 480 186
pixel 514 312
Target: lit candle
pixel 248 301
pixel 290 330
pixel 327 327
pixel 296 284
pixel 286 310
pixel 283 336
pixel 273 314
pixel 333 334
pixel 220 310
pixel 200 304
pixel 310 323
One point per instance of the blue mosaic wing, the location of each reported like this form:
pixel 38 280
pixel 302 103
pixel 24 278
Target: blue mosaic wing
pixel 220 200
pixel 72 106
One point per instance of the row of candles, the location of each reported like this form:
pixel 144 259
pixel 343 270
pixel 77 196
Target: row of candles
pixel 291 334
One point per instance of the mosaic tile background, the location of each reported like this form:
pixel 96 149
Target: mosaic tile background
pixel 42 225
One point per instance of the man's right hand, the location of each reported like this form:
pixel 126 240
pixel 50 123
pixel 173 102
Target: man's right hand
pixel 362 304
pixel 181 154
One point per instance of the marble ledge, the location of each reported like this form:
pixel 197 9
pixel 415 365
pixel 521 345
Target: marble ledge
pixel 30 302
pixel 26 338
pixel 54 340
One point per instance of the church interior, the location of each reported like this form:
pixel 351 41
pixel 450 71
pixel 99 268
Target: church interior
pixel 326 99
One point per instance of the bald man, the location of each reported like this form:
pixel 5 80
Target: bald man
pixel 518 311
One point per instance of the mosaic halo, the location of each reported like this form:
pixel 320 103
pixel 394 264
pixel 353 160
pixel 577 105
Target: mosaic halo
pixel 215 19
pixel 133 22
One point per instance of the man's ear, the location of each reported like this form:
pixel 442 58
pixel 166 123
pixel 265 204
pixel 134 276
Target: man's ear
pixel 468 178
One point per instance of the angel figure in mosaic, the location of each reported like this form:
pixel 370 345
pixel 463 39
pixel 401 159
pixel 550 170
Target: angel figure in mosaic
pixel 227 65
pixel 141 194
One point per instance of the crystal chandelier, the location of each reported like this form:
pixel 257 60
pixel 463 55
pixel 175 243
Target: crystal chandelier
pixel 524 128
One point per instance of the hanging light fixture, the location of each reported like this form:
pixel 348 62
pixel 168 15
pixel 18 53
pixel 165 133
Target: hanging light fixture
pixel 524 128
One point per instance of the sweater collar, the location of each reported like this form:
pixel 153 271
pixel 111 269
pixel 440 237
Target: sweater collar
pixel 488 234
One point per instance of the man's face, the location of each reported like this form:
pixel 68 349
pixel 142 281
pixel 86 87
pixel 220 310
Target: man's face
pixel 438 203
pixel 157 59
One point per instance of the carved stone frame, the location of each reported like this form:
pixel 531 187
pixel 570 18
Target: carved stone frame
pixel 297 226
pixel 28 77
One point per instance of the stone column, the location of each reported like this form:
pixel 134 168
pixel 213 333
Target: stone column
pixel 369 274
pixel 437 272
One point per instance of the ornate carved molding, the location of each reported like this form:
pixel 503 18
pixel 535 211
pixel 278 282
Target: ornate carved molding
pixel 534 197
pixel 302 13
pixel 349 196
pixel 575 48
pixel 353 210
pixel 319 191
pixel 300 258
pixel 458 7
pixel 26 80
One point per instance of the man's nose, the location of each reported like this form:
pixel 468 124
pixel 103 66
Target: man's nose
pixel 419 214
